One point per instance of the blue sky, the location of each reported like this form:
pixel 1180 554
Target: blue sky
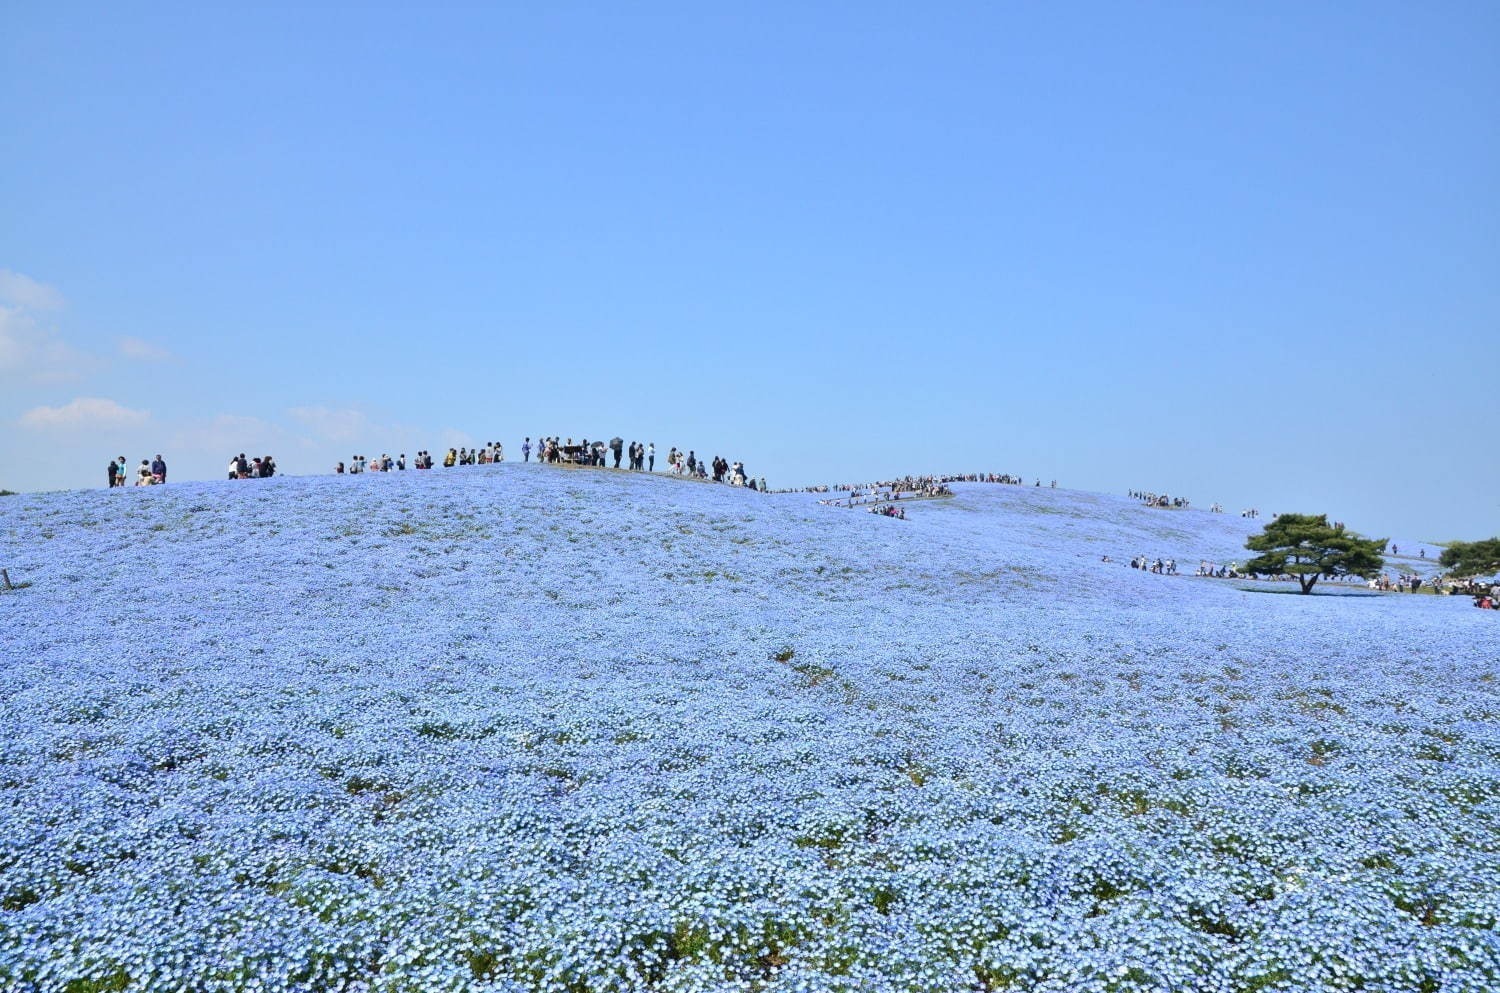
pixel 1246 255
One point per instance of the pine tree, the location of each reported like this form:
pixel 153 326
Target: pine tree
pixel 1308 547
pixel 1472 558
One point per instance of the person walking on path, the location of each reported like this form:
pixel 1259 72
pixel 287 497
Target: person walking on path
pixel 651 455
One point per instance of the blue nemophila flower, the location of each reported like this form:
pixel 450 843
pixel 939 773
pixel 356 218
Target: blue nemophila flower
pixel 513 729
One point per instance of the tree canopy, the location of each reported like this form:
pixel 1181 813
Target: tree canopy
pixel 1472 558
pixel 1308 547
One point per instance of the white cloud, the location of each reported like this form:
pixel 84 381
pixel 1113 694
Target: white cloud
pixel 143 350
pixel 26 293
pixel 30 350
pixel 333 424
pixel 85 412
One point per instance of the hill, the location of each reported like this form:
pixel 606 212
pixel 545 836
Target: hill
pixel 519 728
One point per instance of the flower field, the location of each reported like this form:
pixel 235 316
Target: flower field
pixel 513 728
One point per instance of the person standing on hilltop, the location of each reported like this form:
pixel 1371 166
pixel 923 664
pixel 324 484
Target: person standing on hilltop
pixel 651 455
pixel 159 468
pixel 111 471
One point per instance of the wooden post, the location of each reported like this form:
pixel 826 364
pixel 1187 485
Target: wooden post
pixel 5 575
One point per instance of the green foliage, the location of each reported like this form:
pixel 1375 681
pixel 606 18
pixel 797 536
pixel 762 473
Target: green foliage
pixel 115 982
pixel 1472 558
pixel 20 899
pixel 484 964
pixel 1308 547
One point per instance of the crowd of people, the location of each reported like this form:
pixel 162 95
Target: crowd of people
pixel 493 452
pixel 556 451
pixel 876 494
pixel 361 463
pixel 151 472
pixel 490 454
pixel 1486 593
pixel 1163 500
pixel 881 497
pixel 718 470
pixel 1403 583
pixel 258 468
pixel 915 482
pixel 637 456
pixel 1159 499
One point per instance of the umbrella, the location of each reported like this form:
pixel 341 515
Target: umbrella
pixel 616 442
